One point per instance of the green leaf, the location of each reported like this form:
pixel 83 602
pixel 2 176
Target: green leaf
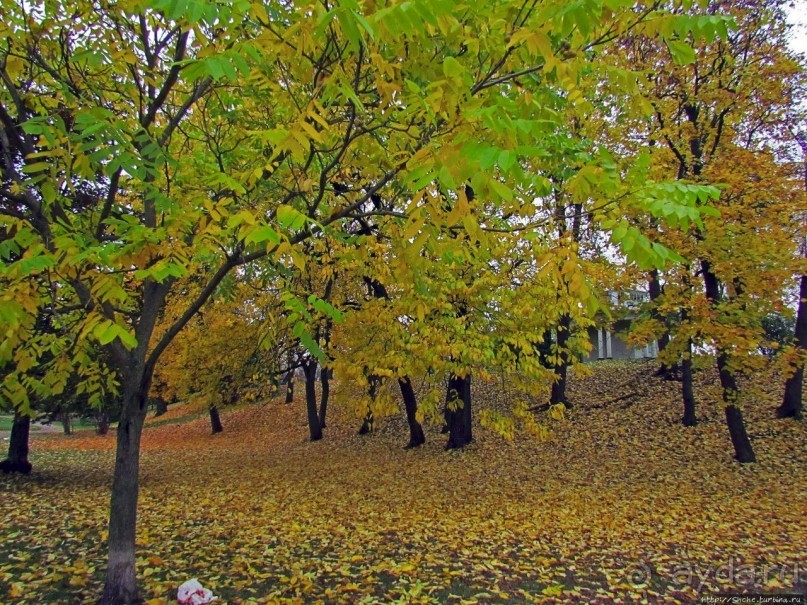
pixel 681 52
pixel 452 68
pixel 290 218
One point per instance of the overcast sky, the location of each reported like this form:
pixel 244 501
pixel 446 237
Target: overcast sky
pixel 798 35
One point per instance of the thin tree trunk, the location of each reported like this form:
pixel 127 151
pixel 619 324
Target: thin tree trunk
pixel 792 406
pixel 290 387
pixel 102 423
pixel 325 382
pixel 561 367
pixel 67 425
pixel 459 418
pixel 215 420
pixel 654 288
pixel 687 390
pixel 416 435
pixel 17 459
pixel 374 383
pixel 367 423
pixel 314 427
pixel 121 583
pixel 445 430
pixel 743 450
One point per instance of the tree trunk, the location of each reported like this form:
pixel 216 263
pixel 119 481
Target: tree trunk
pixel 743 451
pixel 416 435
pixel 792 406
pixel 445 429
pixel 102 423
pixel 215 420
pixel 67 425
pixel 367 423
pixel 561 367
pixel 374 383
pixel 160 406
pixel 739 437
pixel 290 387
pixel 314 427
pixel 654 288
pixel 121 583
pixel 687 390
pixel 17 459
pixel 459 419
pixel 325 382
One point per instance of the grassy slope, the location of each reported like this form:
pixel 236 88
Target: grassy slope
pixel 623 505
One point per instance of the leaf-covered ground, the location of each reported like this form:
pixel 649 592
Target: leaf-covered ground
pixel 622 505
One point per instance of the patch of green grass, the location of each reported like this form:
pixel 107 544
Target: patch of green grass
pixel 6 422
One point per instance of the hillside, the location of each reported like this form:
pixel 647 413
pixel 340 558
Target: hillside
pixel 621 505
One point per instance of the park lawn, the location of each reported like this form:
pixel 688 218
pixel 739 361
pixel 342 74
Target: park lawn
pixel 621 505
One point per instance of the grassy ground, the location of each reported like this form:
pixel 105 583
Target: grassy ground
pixel 621 505
pixel 6 422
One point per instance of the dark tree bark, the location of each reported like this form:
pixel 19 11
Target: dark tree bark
pixel 325 382
pixel 416 435
pixel 743 451
pixel 314 427
pixel 290 376
pixel 459 419
pixel 17 459
pixel 687 390
pixel 654 287
pixel 215 420
pixel 374 383
pixel 687 386
pixel 792 406
pixel 561 367
pixel 367 423
pixel 121 583
pixel 160 406
pixel 67 424
pixel 739 437
pixel 102 423
pixel 290 387
pixel 445 429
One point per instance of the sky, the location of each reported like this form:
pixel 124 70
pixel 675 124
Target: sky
pixel 797 15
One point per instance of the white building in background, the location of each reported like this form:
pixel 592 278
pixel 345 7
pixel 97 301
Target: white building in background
pixel 610 342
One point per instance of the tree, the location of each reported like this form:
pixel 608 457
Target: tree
pixel 17 459
pixel 712 117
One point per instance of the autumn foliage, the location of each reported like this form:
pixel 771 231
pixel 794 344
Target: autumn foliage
pixel 613 508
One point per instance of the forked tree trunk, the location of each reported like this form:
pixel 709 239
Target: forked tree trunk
pixel 743 450
pixel 314 427
pixel 458 412
pixel 215 420
pixel 121 583
pixel 792 406
pixel 416 435
pixel 325 383
pixel 17 459
pixel 561 367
